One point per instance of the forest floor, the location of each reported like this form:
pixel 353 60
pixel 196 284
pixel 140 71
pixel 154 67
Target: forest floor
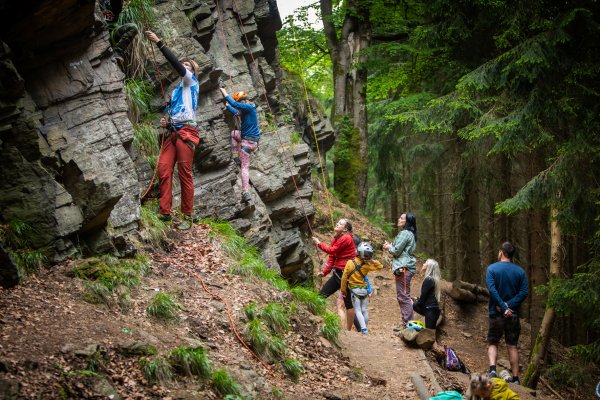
pixel 49 336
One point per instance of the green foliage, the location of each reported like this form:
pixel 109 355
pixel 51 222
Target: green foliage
pixel 164 307
pixel 262 341
pixel 275 316
pixel 155 229
pixel 142 14
pixel 107 278
pixel 311 299
pixel 18 235
pixel 252 311
pixel 224 384
pixel 331 327
pixel 347 162
pixel 157 370
pixel 293 368
pixel 247 258
pixel 571 375
pixel 191 361
pixel 295 138
pixel 138 94
pixel 303 52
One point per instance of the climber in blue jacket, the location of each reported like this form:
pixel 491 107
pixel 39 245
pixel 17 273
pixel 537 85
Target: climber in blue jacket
pixel 244 140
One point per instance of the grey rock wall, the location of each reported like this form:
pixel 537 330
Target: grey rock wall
pixel 68 165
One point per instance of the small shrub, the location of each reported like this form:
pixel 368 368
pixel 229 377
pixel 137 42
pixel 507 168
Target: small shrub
pixel 157 370
pixel 251 311
pixel 293 368
pixel 570 375
pixel 277 393
pixel 191 361
pixel 224 384
pixel 295 138
pixel 331 327
pixel 155 229
pixel 311 299
pixel 163 306
pixel 138 94
pixel 258 337
pixel 17 236
pixel 275 317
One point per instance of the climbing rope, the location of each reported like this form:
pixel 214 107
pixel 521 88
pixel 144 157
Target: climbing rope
pixel 240 24
pixel 312 123
pixel 162 91
pixel 231 321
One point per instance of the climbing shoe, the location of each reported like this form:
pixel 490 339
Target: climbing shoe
pixel 164 217
pixel 492 374
pixel 186 223
pixel 245 197
pixel 364 331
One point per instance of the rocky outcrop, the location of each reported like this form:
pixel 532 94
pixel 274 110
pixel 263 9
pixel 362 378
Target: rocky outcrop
pixel 68 163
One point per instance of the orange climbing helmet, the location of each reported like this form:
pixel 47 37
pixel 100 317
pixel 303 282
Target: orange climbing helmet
pixel 237 96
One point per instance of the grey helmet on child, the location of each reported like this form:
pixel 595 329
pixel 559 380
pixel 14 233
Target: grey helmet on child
pixel 364 250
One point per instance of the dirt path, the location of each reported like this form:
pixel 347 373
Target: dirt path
pixel 381 354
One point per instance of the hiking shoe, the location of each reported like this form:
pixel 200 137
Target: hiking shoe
pixel 164 217
pixel 186 223
pixel 515 380
pixel 245 197
pixel 492 374
pixel 364 331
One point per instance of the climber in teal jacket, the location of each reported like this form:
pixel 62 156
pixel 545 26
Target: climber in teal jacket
pixel 244 140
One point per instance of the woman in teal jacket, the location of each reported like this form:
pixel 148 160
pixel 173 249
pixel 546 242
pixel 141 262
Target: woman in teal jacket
pixel 404 262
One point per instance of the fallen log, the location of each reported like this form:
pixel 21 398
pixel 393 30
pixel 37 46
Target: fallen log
pixel 471 287
pixel 462 295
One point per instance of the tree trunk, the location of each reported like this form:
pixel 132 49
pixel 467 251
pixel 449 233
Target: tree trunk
pixel 349 115
pixel 538 353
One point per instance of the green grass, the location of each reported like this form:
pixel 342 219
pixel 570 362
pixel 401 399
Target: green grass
pixel 141 13
pixel 251 311
pixel 146 139
pixel 17 236
pixel 156 229
pixel 138 94
pixel 107 278
pixel 157 369
pixel 275 316
pixel 293 368
pixel 331 327
pixel 295 138
pixel 311 299
pixel 191 361
pixel 263 342
pixel 224 384
pixel 248 260
pixel 164 307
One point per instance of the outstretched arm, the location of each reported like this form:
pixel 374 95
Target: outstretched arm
pixel 167 53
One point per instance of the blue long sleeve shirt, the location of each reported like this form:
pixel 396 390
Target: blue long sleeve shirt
pixel 507 283
pixel 249 118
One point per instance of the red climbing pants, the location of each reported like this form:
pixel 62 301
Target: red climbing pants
pixel 176 149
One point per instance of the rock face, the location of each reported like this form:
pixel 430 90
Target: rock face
pixel 68 164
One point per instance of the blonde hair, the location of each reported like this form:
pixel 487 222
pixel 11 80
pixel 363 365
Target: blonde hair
pixel 480 387
pixel 433 270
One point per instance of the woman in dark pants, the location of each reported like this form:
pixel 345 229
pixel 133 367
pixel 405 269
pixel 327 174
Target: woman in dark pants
pixel 341 250
pixel 428 304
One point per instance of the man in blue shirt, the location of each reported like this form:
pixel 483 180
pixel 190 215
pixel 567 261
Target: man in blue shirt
pixel 508 288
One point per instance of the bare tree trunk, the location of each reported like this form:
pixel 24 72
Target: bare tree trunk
pixel 538 353
pixel 349 93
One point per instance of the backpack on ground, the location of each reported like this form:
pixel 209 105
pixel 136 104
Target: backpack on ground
pixel 450 395
pixel 452 362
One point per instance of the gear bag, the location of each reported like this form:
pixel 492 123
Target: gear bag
pixel 452 362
